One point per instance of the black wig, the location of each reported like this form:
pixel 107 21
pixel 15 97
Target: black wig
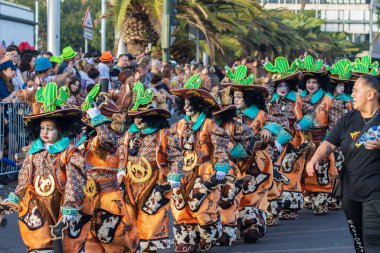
pixel 225 116
pixel 199 106
pixel 252 98
pixel 156 122
pixel 67 127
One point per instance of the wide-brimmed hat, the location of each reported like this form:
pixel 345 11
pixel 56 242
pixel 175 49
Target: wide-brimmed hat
pixel 68 53
pixel 42 64
pixel 53 102
pixel 147 103
pixel 239 81
pixel 341 72
pixel 7 64
pixel 193 88
pixel 282 72
pixel 106 56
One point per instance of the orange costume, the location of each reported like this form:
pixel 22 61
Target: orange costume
pixel 320 185
pixel 52 177
pixel 109 227
pixel 195 209
pixel 151 158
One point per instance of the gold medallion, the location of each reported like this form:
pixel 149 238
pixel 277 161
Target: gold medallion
pixel 140 172
pixel 44 186
pixel 90 188
pixel 190 161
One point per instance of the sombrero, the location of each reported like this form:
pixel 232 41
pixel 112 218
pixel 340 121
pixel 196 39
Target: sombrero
pixel 341 72
pixel 53 104
pixel 282 72
pixel 239 81
pixel 145 103
pixel 193 88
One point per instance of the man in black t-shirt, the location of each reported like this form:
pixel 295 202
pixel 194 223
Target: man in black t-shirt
pixel 361 178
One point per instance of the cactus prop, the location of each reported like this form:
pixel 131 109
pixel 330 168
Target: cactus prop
pixel 90 98
pixel 366 61
pixel 143 96
pixel 309 64
pixel 281 67
pixel 238 77
pixel 365 66
pixel 342 68
pixel 194 82
pixel 51 97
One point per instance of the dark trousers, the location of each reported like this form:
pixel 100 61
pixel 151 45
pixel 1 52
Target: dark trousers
pixel 364 223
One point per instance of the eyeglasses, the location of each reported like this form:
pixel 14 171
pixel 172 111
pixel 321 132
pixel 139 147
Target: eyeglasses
pixel 354 91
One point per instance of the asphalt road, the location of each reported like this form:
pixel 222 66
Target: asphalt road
pixel 310 234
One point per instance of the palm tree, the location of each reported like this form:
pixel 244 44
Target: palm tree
pixel 139 22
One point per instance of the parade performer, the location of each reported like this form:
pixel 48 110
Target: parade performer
pixel 255 166
pixel 313 86
pixel 151 161
pixel 287 117
pixel 195 209
pixel 104 215
pixel 52 177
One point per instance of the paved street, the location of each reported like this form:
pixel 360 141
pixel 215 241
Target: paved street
pixel 311 234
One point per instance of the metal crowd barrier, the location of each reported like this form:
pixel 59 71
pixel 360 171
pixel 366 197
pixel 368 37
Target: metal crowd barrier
pixel 12 134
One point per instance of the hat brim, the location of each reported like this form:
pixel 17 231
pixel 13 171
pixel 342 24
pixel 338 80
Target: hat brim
pixel 293 78
pixel 316 75
pixel 190 93
pixel 150 112
pixel 71 114
pixel 70 56
pixel 225 108
pixel 105 60
pixel 336 79
pixel 241 87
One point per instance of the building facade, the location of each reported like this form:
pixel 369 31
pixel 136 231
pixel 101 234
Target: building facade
pixel 16 24
pixel 355 17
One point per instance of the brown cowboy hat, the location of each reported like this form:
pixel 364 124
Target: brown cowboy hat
pixel 150 112
pixel 336 79
pixel 73 114
pixel 201 92
pixel 241 87
pixel 224 108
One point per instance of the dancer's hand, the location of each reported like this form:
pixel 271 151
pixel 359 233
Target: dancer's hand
pixel 297 127
pixel 265 134
pixel 311 166
pixel 174 184
pixel 120 176
pixel 278 146
pixel 220 175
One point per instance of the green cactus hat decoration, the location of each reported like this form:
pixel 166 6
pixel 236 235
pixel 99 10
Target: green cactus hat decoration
pixel 364 66
pixel 341 71
pixel 282 71
pixel 91 97
pixel 309 65
pixel 144 103
pixel 240 81
pixel 53 103
pixel 193 88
